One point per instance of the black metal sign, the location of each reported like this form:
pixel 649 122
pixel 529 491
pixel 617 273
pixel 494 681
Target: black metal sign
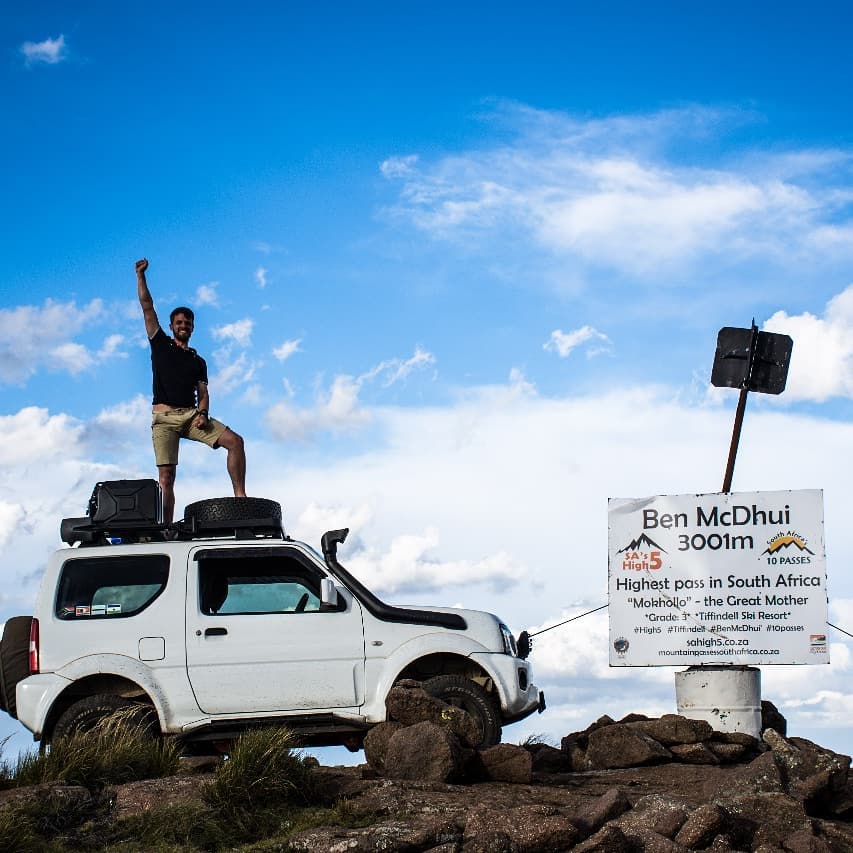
pixel 747 358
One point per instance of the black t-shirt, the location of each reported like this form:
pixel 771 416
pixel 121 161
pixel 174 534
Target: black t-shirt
pixel 177 372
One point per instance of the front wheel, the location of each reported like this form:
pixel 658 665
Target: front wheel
pixel 463 693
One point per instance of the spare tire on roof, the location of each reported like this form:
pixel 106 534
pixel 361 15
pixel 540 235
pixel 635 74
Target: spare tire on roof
pixel 224 511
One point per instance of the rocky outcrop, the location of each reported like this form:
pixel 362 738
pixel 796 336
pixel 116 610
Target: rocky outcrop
pixel 692 789
pixel 675 785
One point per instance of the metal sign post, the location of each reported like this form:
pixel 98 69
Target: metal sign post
pixel 751 361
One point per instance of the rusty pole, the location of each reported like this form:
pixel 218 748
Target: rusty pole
pixel 741 408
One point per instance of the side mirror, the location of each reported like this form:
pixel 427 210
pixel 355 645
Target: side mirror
pixel 328 594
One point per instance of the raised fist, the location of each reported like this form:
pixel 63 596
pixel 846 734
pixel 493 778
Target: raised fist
pixel 142 265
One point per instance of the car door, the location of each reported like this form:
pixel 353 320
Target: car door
pixel 258 639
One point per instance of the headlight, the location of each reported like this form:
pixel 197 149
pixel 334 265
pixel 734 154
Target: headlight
pixel 509 641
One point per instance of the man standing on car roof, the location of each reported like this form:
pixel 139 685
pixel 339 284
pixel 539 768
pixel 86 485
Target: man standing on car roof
pixel 181 400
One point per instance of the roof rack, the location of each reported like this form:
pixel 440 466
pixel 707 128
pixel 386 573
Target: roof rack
pixel 130 511
pixel 84 532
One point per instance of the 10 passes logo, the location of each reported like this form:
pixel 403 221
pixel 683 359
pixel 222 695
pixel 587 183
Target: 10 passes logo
pixel 642 554
pixel 788 542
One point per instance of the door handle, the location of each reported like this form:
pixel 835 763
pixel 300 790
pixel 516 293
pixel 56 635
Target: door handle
pixel 215 632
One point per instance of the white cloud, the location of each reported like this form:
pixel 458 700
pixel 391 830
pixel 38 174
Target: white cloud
pixel 72 357
pixel 608 194
pixel 233 374
pixel 110 348
pixel 207 294
pixel 395 370
pixel 398 167
pixel 316 519
pixel 287 349
pixel 408 565
pixel 33 337
pixel 564 342
pixel 338 407
pixel 822 357
pixel 261 277
pixel 122 427
pixel 33 434
pixel 238 332
pixel 49 52
pixel 11 516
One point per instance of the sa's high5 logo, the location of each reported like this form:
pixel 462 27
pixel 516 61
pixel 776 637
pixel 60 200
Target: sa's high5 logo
pixel 641 555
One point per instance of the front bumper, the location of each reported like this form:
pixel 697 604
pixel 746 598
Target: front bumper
pixel 539 707
pixel 513 679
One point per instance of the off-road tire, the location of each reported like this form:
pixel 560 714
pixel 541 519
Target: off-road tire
pixel 474 700
pixel 233 509
pixel 85 714
pixel 14 661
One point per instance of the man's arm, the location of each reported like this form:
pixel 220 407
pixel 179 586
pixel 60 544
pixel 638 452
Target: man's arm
pixel 145 300
pixel 203 405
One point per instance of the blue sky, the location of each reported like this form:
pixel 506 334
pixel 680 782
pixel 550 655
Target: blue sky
pixel 458 272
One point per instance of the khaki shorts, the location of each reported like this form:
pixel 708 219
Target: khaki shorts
pixel 168 428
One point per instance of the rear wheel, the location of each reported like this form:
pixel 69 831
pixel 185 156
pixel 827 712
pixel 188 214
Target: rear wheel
pixel 85 714
pixel 14 660
pixel 474 700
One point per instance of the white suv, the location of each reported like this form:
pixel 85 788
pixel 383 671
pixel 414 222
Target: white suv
pixel 221 622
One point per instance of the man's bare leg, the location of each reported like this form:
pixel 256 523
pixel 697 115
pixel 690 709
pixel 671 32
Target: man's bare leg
pixel 236 461
pixel 167 487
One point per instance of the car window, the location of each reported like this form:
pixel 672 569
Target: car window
pixel 110 587
pixel 252 585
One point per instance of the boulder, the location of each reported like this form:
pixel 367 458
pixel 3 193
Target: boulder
pixel 760 776
pixel 507 763
pixel 376 743
pixel 811 773
pixel 607 807
pixel 663 815
pixel 609 839
pixel 623 746
pixel 548 759
pixel 524 829
pixel 805 841
pixel 573 747
pixel 727 753
pixel 702 826
pixel 772 719
pixel 408 703
pixel 672 729
pixel 768 818
pixel 425 752
pixel 694 753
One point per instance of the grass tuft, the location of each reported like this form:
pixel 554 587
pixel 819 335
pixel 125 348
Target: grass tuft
pixel 262 770
pixel 17 832
pixel 119 748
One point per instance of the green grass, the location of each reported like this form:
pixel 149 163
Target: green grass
pixel 262 769
pixel 17 832
pixel 117 749
pixel 258 798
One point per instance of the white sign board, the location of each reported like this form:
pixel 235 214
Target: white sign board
pixel 734 578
